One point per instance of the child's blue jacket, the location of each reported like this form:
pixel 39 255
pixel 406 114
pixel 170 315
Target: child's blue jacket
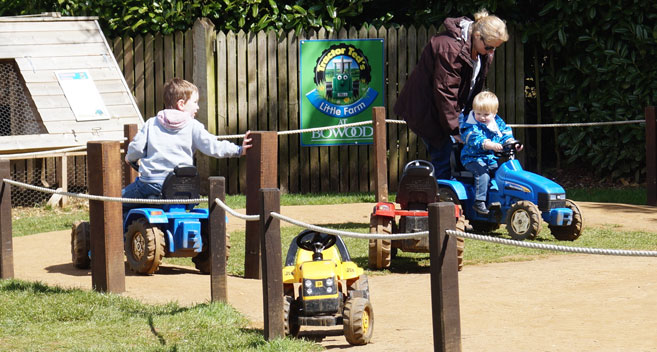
pixel 474 133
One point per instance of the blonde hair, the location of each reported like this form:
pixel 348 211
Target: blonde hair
pixel 486 102
pixel 176 89
pixel 490 27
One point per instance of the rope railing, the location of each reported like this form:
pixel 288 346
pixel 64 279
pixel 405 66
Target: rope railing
pixel 552 247
pixel 376 236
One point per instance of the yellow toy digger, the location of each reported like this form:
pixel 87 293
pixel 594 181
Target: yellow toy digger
pixel 323 287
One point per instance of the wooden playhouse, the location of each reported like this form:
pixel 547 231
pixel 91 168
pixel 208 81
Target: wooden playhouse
pixel 61 88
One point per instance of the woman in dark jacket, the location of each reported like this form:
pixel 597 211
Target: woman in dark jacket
pixel 451 71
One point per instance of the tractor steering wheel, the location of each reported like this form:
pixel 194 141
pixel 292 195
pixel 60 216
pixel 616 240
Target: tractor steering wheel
pixel 509 149
pixel 314 241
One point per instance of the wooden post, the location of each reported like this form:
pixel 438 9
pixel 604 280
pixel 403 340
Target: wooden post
pixel 651 156
pixel 380 157
pixel 444 279
pixel 272 268
pixel 129 174
pixel 6 244
pixel 203 39
pixel 62 168
pixel 217 241
pixel 261 172
pixel 105 218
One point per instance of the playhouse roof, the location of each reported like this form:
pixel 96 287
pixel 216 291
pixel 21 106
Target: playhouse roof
pixel 65 68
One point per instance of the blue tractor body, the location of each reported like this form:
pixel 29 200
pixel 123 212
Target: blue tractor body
pixel 517 197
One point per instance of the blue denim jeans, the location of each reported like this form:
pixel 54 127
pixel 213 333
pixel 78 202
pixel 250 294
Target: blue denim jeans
pixel 440 159
pixel 481 172
pixel 140 190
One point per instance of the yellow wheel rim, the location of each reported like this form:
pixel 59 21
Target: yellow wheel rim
pixel 366 322
pixel 138 245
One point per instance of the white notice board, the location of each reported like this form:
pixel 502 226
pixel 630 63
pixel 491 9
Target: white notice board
pixel 82 95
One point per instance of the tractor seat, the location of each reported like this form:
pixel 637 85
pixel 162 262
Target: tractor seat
pixel 417 186
pixel 182 183
pixel 457 169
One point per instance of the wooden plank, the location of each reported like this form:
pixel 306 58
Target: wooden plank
pixel 65 63
pixel 60 101
pixel 272 70
pixel 129 174
pixel 519 91
pixel 283 122
pixel 189 55
pixel 252 80
pixel 60 114
pixel 158 72
pixel 233 106
pixel 149 81
pixel 6 241
pixel 293 103
pixel 651 156
pixel 402 66
pixel 40 37
pixel 57 140
pixel 30 76
pixel 500 77
pixel 51 26
pixel 50 50
pixel 129 62
pixel 261 87
pixel 217 241
pixel 140 84
pixel 179 54
pixel 105 218
pixel 444 278
pixel 261 173
pixel 393 150
pixel 96 127
pixel 117 48
pixel 272 269
pixel 222 107
pixel 412 47
pixel 169 58
pixel 242 105
pixel 380 158
pixel 53 88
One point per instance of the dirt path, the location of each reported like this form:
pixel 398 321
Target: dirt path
pixel 561 303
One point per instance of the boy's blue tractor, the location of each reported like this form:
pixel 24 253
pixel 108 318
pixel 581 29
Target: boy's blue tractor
pixel 520 198
pixel 151 233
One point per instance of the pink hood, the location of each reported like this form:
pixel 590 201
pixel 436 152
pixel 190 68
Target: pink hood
pixel 173 119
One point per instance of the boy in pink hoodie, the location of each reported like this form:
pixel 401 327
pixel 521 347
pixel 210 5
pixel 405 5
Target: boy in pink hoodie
pixel 170 139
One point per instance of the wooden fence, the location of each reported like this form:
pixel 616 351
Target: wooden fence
pixel 252 83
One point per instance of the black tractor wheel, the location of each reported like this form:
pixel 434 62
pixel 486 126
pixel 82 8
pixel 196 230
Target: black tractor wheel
pixel 447 195
pixel 572 231
pixel 358 320
pixel 80 245
pixel 144 246
pixel 484 226
pixel 202 260
pixel 379 250
pixel 290 317
pixel 523 220
pixel 329 90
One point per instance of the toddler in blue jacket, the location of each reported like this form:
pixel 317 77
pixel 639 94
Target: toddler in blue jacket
pixel 483 132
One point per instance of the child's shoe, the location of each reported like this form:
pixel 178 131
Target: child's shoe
pixel 480 207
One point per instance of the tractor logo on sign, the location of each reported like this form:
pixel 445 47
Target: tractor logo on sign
pixel 342 75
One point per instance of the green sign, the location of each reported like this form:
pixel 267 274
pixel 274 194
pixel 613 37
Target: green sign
pixel 340 81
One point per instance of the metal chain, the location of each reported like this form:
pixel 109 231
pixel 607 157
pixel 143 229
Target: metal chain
pixel 552 247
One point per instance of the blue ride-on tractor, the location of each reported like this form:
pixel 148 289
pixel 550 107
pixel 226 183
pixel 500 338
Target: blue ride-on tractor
pixel 519 198
pixel 154 232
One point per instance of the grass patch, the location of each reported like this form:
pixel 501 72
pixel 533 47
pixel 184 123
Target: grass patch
pixel 56 319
